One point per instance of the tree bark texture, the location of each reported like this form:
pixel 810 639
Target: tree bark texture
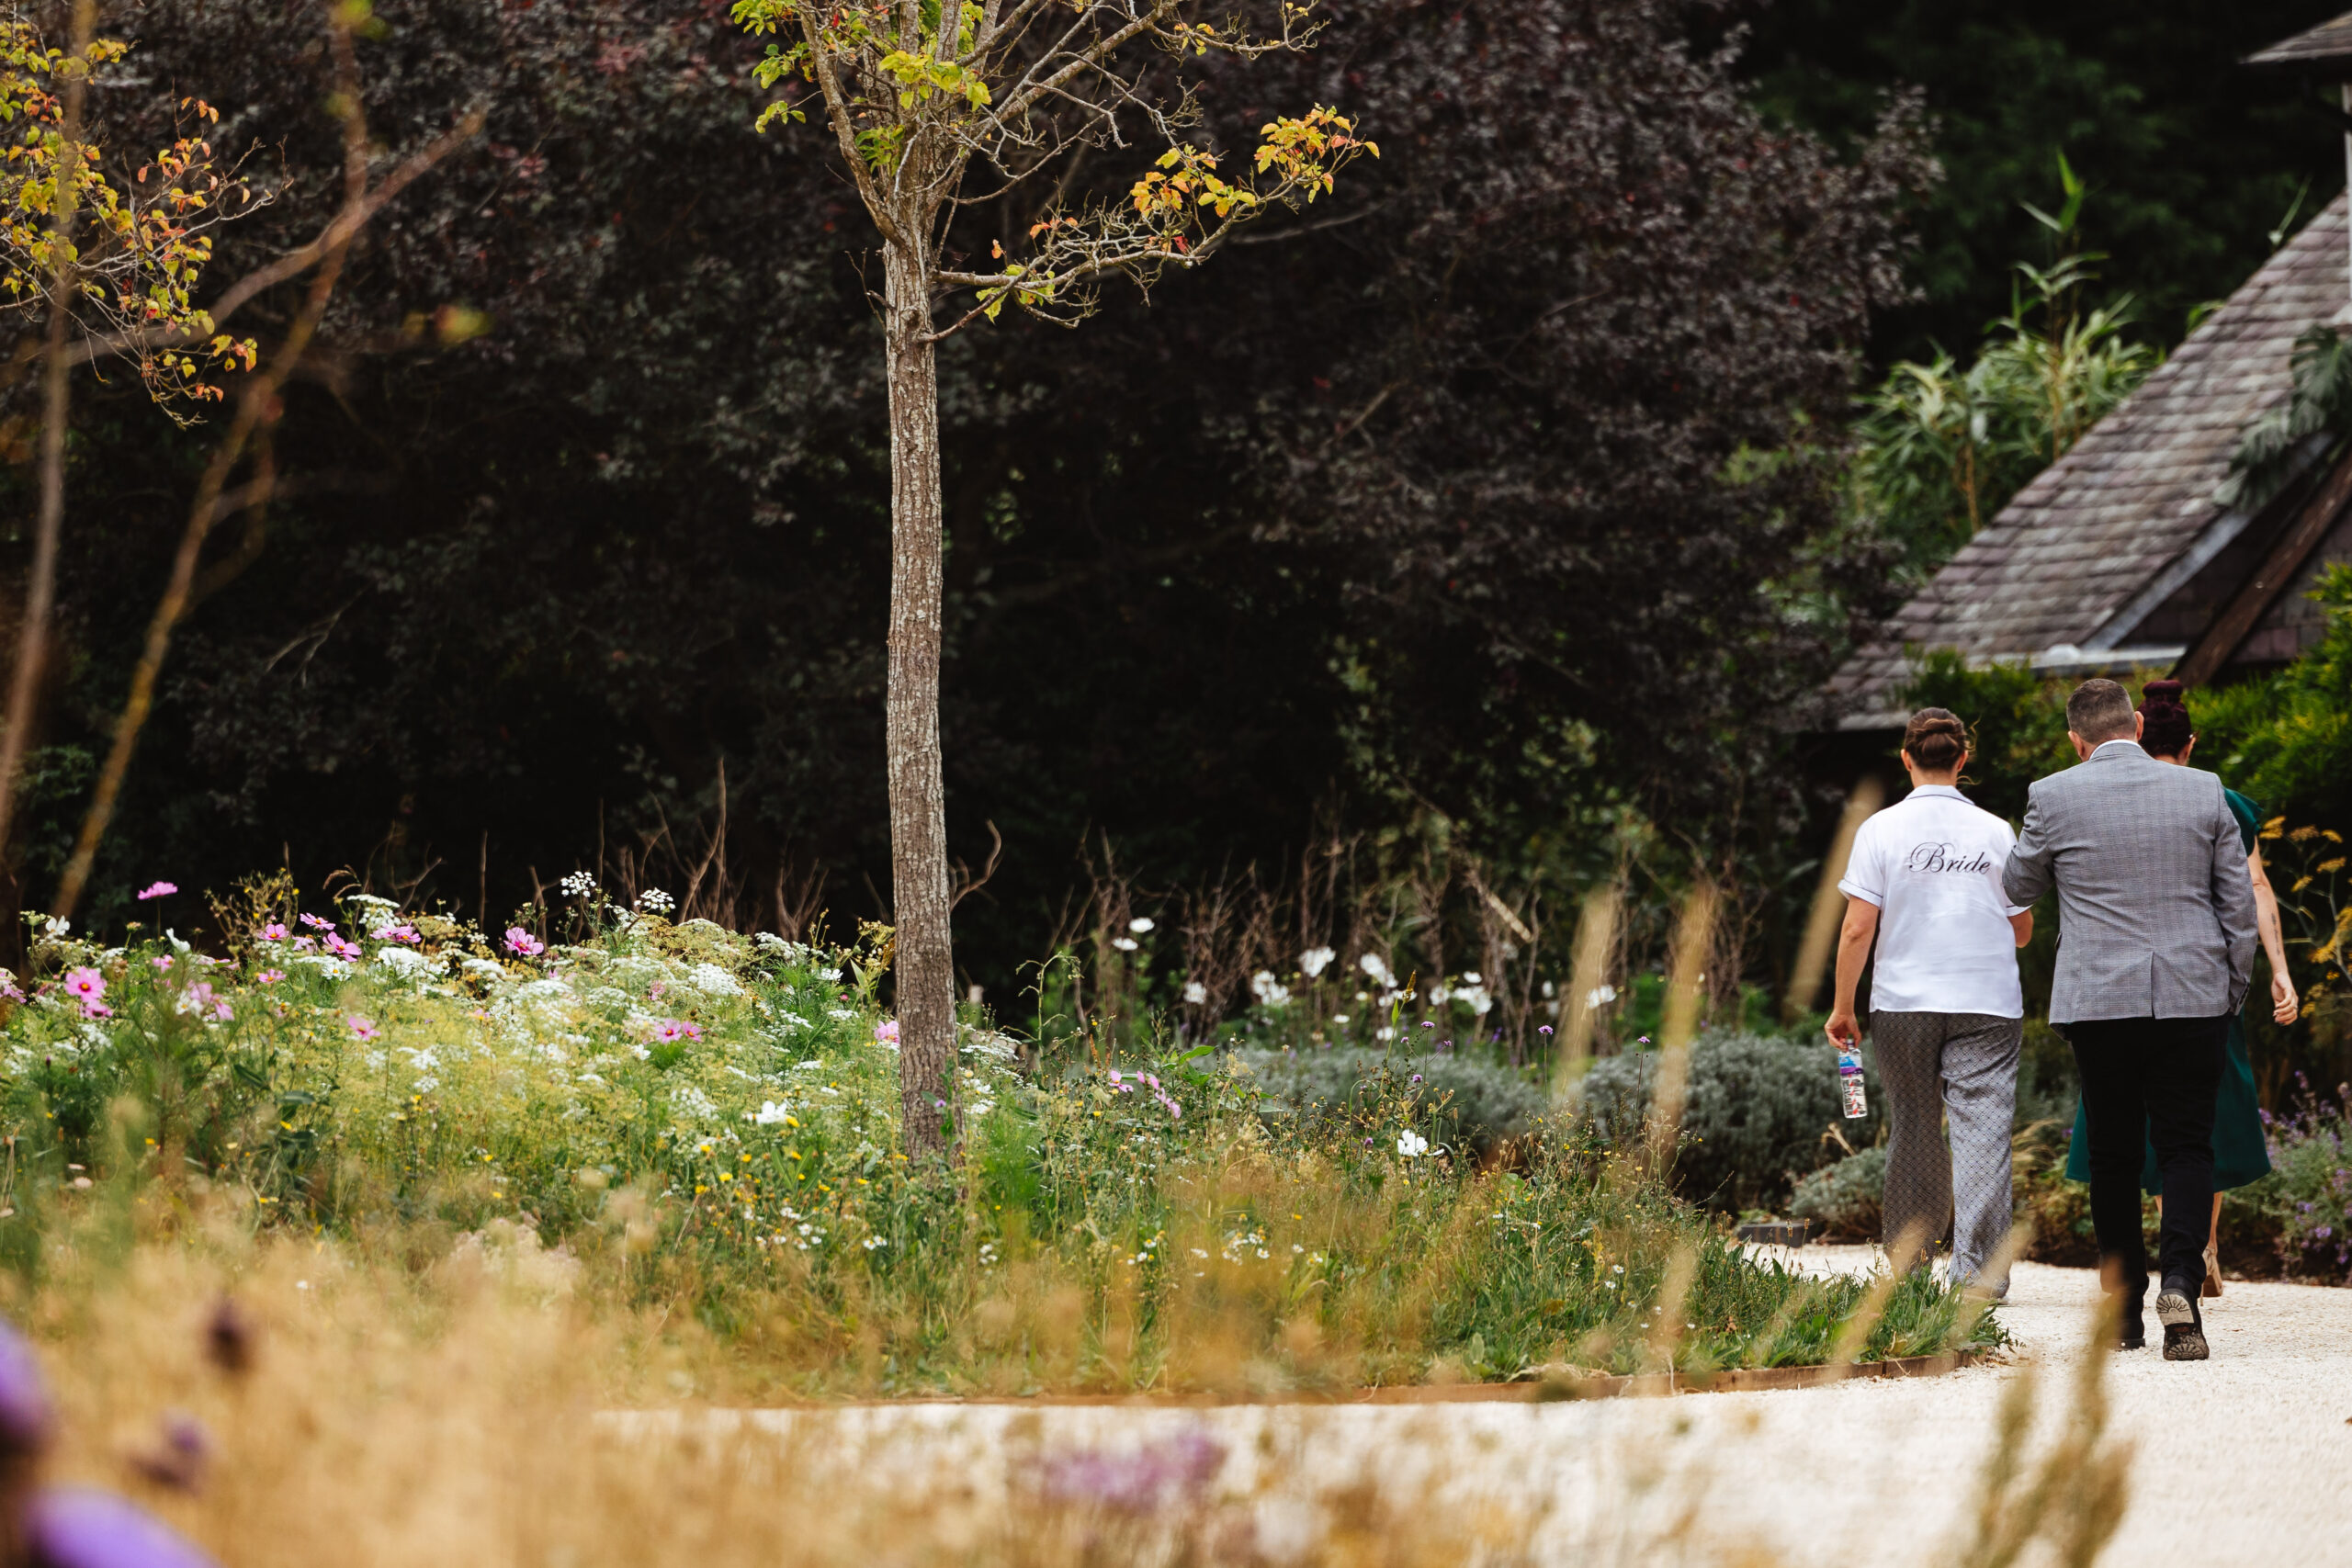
pixel 924 962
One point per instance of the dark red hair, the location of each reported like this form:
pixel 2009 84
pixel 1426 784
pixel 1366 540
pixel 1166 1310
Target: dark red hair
pixel 2164 727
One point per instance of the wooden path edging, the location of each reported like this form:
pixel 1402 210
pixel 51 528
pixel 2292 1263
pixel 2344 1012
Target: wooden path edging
pixel 1539 1390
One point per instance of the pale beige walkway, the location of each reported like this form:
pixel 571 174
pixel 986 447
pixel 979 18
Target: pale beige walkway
pixel 2243 1461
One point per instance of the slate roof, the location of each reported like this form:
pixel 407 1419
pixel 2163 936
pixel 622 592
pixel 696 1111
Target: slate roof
pixel 2326 44
pixel 2103 536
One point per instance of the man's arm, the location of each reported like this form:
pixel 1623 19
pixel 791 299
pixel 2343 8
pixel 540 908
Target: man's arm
pixel 2233 900
pixel 1854 938
pixel 2027 875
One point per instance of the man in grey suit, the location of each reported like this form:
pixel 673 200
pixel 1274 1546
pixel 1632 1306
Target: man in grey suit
pixel 2155 947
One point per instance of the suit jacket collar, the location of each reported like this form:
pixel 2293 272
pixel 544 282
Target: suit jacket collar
pixel 2112 750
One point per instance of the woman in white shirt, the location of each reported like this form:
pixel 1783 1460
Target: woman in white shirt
pixel 1947 1013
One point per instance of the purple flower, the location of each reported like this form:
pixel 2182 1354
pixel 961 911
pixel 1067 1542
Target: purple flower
pixel 1542 1028
pixel 1417 1078
pixel 25 1417
pixel 1428 1025
pixel 158 890
pixel 1155 1476
pixel 2324 1232
pixel 180 1461
pixel 76 1526
pixel 523 944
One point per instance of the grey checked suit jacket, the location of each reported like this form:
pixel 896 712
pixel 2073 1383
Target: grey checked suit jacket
pixel 2155 910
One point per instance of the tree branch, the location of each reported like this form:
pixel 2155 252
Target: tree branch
pixel 256 409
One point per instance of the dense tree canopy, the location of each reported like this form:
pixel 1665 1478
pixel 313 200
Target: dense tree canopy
pixel 2193 161
pixel 1503 483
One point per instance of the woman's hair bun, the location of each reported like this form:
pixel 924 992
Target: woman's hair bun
pixel 1936 738
pixel 2164 727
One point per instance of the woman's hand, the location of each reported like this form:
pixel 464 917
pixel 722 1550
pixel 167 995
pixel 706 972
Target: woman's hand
pixel 2284 1005
pixel 1843 1032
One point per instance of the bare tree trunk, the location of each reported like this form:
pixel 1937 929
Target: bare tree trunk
pixel 41 588
pixel 924 963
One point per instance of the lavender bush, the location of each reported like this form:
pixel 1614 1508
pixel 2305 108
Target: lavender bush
pixel 2309 1190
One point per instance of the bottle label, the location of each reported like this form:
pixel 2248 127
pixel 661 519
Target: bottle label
pixel 1850 1079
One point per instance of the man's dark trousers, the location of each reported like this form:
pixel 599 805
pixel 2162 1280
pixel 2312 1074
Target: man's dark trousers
pixel 2151 1078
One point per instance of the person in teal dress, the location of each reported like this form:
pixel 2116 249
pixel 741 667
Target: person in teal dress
pixel 2241 1152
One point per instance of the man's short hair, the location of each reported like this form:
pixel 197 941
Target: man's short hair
pixel 2100 710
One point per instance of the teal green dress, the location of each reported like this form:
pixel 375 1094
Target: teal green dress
pixel 2241 1152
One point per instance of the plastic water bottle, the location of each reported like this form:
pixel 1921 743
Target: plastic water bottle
pixel 1850 1079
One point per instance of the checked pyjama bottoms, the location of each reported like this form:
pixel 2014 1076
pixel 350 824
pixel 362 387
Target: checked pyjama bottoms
pixel 1962 1067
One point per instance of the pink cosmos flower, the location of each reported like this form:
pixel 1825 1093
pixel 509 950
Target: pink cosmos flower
pixel 158 890
pixel 162 962
pixel 96 1010
pixel 1116 1081
pixel 676 1029
pixel 273 932
pixel 887 1032
pixel 305 944
pixel 86 983
pixel 402 933
pixel 523 944
pixel 8 986
pixel 363 1028
pixel 198 999
pixel 341 948
pixel 317 924
pixel 270 976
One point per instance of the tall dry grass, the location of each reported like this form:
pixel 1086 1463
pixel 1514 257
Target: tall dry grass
pixel 289 1400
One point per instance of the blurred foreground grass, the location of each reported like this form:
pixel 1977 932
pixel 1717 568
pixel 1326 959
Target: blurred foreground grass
pixel 285 1399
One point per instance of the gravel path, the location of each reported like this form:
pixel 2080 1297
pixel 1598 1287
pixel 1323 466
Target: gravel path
pixel 2246 1459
